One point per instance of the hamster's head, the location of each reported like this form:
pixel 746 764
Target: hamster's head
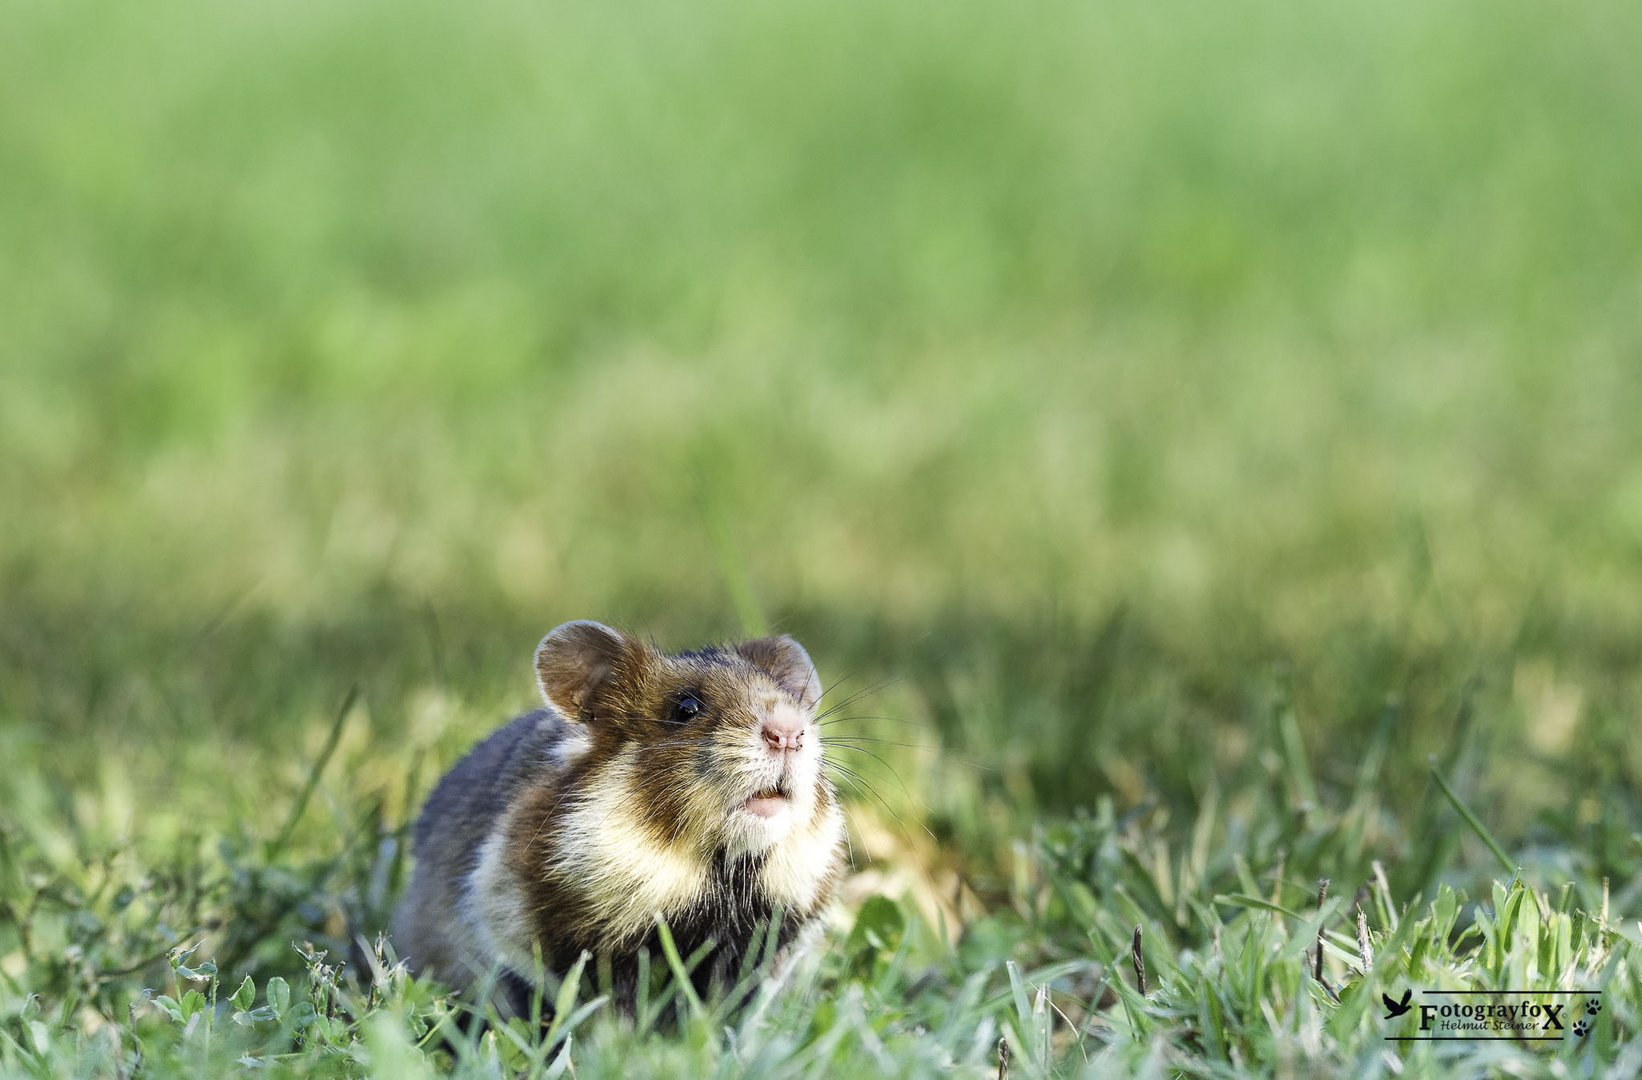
pixel 716 749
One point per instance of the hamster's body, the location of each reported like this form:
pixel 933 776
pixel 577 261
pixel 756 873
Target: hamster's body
pixel 680 788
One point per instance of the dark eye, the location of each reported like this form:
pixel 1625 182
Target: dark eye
pixel 686 708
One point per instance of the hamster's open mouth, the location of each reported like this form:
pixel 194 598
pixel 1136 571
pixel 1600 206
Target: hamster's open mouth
pixel 768 802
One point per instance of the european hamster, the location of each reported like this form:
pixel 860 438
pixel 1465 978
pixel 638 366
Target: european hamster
pixel 687 788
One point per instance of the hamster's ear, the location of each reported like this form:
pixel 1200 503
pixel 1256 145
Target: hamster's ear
pixel 576 659
pixel 785 660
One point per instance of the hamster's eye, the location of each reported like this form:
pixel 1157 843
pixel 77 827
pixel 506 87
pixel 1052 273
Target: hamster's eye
pixel 686 708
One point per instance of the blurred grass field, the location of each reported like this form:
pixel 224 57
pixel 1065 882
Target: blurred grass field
pixel 1202 417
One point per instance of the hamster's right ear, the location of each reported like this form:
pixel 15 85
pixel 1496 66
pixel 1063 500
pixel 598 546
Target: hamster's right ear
pixel 573 661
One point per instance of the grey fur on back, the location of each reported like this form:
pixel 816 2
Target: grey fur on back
pixel 478 788
pixel 458 816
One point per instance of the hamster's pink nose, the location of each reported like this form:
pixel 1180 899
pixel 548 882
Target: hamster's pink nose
pixel 783 732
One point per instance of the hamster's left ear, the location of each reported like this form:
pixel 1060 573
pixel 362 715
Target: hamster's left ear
pixel 577 661
pixel 785 661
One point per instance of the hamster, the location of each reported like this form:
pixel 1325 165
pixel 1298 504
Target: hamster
pixel 687 788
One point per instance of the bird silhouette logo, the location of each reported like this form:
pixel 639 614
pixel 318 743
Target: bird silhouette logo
pixel 1394 1009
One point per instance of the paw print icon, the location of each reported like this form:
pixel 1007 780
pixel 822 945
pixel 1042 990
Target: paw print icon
pixel 1592 1007
pixel 1581 1029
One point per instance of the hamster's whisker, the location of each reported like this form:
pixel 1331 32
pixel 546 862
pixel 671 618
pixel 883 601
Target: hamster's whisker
pixel 835 684
pixel 904 790
pixel 948 756
pixel 851 740
pixel 857 696
pixel 840 767
pixel 860 783
pixel 886 719
pixel 841 705
pixel 849 776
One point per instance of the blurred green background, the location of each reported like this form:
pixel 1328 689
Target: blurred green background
pixel 1155 393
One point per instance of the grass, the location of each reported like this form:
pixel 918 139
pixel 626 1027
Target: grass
pixel 1208 436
